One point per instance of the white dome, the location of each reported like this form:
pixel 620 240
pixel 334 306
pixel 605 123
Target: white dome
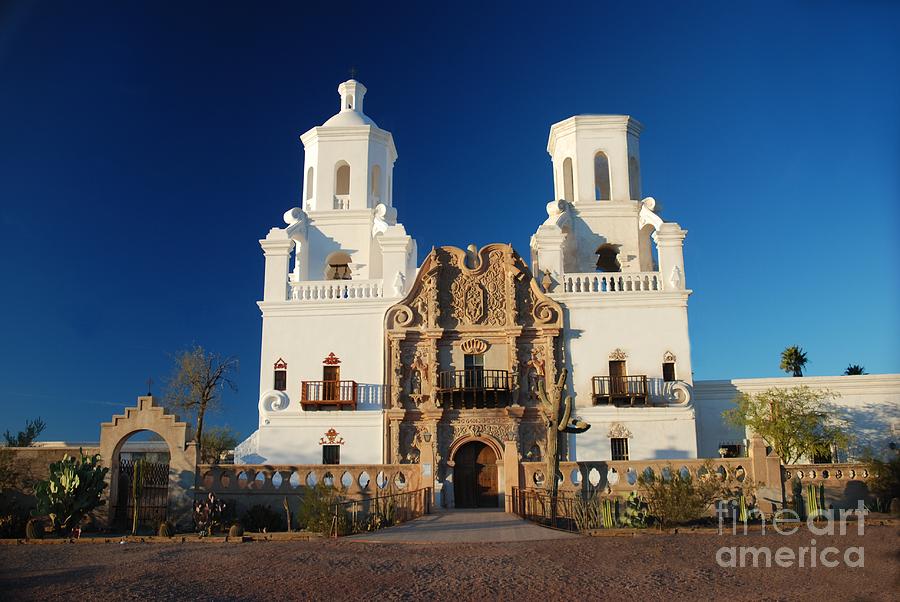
pixel 348 117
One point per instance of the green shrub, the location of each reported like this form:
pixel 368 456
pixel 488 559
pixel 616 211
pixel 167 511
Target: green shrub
pixel 261 518
pixel 317 508
pixel 680 499
pixel 884 480
pixel 73 490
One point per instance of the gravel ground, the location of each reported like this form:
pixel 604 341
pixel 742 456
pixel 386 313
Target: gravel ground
pixel 648 566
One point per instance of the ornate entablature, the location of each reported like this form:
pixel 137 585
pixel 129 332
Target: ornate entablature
pixel 470 339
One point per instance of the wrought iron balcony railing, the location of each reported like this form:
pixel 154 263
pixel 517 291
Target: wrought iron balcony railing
pixel 475 388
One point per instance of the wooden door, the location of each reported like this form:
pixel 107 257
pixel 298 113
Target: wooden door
pixel 618 384
pixel 486 478
pixel 475 479
pixel 332 385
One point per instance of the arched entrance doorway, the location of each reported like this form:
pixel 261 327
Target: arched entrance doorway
pixel 475 476
pixel 141 468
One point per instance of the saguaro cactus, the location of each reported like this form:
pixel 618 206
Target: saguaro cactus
pixel 556 408
pixel 137 490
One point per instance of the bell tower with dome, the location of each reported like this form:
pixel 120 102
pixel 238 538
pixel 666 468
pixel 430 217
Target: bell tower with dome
pixel 340 260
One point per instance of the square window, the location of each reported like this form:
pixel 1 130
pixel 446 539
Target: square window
pixel 619 447
pixel 331 454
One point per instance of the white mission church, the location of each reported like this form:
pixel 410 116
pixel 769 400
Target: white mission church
pixel 366 355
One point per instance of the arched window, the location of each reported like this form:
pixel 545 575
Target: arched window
pixel 349 101
pixel 601 177
pixel 376 181
pixel 568 181
pixel 342 179
pixel 309 183
pixel 338 266
pixel 607 258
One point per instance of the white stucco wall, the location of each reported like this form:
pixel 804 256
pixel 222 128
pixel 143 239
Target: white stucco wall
pixel 643 325
pixel 655 433
pixel 295 439
pixel 870 404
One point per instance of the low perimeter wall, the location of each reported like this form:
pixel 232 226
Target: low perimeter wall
pixel 248 485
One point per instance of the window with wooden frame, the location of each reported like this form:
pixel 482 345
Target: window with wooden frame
pixel 331 454
pixel 668 372
pixel 280 376
pixel 619 447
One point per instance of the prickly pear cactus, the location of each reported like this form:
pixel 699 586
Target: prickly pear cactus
pixel 636 512
pixel 73 490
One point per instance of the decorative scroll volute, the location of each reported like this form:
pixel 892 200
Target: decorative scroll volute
pixel 489 288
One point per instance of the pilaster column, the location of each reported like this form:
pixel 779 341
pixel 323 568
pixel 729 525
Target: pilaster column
pixel 277 248
pixel 670 244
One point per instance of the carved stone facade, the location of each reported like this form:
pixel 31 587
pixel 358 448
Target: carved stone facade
pixel 483 303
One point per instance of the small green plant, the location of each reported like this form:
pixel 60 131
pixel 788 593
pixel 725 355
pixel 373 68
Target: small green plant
pixel 165 529
pixel 34 529
pixel 593 512
pixel 262 519
pixel 73 490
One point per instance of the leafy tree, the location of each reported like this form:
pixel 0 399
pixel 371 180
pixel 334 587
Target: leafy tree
pixel 796 422
pixel 73 490
pixel 197 383
pixel 33 428
pixel 216 440
pixel 793 360
pixel 855 370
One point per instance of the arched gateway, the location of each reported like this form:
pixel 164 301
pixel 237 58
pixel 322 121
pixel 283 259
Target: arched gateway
pixel 463 352
pixel 147 416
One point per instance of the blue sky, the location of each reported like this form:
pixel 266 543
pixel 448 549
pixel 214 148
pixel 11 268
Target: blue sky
pixel 146 147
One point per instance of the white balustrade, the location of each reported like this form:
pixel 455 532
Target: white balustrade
pixel 342 201
pixel 336 290
pixel 599 283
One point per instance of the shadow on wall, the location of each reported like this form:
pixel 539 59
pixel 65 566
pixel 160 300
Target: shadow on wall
pixel 870 426
pixel 370 396
pixel 670 454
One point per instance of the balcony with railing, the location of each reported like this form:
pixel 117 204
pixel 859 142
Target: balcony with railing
pixel 620 390
pixel 602 283
pixel 475 388
pixel 327 291
pixel 328 394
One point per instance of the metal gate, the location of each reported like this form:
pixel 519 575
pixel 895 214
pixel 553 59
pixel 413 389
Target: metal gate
pixel 152 494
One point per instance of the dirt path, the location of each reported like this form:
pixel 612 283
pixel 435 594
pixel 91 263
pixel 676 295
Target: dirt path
pixel 670 567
